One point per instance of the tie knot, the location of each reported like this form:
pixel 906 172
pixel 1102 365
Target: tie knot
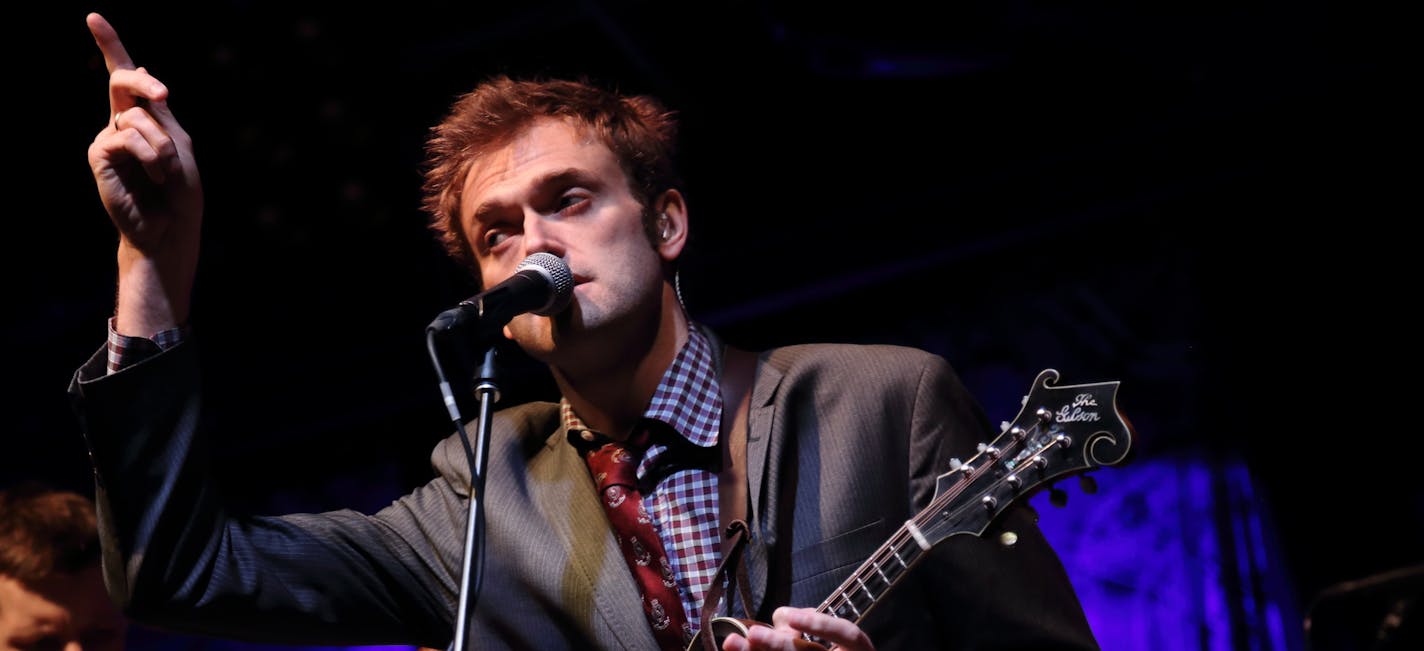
pixel 641 438
pixel 615 463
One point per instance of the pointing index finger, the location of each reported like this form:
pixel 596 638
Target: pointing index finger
pixel 115 56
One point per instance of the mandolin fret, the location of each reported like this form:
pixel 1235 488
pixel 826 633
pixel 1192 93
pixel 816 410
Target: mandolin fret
pixel 890 563
pixel 866 590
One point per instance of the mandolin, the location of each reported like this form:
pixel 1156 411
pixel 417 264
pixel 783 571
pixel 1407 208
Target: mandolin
pixel 1060 431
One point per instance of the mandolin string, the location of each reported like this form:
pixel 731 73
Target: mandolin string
pixel 924 517
pixel 903 536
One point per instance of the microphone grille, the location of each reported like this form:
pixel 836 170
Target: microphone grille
pixel 561 280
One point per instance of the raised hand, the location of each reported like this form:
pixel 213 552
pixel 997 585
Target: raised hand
pixel 148 182
pixel 787 626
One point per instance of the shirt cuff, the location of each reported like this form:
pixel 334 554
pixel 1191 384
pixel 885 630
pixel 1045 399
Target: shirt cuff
pixel 125 351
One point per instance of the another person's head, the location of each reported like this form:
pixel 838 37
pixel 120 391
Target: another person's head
pixel 564 167
pixel 52 594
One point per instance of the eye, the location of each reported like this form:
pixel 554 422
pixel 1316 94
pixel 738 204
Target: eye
pixel 572 201
pixel 494 237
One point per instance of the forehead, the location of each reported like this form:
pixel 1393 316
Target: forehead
pixel 58 600
pixel 25 610
pixel 548 146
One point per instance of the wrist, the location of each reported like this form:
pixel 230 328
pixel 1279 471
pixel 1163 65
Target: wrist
pixel 151 298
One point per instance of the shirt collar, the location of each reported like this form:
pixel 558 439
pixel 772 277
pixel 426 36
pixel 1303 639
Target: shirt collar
pixel 687 398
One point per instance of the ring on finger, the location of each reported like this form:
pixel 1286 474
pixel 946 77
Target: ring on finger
pixel 116 118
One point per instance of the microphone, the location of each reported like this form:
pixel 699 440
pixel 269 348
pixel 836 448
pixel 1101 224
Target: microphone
pixel 541 284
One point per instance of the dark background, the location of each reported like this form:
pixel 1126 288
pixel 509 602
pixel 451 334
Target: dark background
pixel 1206 201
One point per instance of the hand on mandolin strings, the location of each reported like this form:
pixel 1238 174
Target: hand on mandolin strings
pixel 787 626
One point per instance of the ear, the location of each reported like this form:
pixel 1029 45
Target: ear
pixel 670 205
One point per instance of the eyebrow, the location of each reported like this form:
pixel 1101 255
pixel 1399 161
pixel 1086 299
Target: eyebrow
pixel 556 178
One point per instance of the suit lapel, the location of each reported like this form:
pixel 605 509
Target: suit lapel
pixel 596 583
pixel 762 485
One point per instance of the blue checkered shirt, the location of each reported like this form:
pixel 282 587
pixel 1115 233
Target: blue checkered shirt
pixel 683 505
pixel 126 351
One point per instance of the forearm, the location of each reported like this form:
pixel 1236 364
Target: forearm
pixel 140 436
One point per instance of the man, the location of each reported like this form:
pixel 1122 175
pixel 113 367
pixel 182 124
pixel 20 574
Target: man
pixel 582 551
pixel 51 592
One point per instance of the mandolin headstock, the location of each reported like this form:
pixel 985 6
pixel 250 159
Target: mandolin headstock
pixel 1059 432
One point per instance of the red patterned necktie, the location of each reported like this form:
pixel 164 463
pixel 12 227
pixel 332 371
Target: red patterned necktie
pixel 614 467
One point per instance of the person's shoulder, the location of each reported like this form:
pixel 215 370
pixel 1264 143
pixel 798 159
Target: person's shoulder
pixel 886 367
pixel 529 414
pixel 851 356
pixel 527 426
pixel 837 354
pixel 892 376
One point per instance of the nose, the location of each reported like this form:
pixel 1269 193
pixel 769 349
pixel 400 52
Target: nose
pixel 541 235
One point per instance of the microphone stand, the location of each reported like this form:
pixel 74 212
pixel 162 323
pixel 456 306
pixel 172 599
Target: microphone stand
pixel 477 456
pixel 542 284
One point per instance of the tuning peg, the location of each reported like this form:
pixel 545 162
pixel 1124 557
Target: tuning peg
pixel 1087 484
pixel 1057 496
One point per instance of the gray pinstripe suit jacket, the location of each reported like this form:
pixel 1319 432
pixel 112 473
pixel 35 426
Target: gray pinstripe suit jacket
pixel 844 443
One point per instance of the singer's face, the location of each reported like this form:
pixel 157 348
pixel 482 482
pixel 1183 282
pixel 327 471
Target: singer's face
pixel 557 190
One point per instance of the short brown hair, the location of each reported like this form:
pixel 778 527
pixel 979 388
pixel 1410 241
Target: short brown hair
pixel 44 531
pixel 638 129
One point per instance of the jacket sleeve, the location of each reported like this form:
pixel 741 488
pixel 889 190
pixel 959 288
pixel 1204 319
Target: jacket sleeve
pixel 174 558
pixel 984 595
